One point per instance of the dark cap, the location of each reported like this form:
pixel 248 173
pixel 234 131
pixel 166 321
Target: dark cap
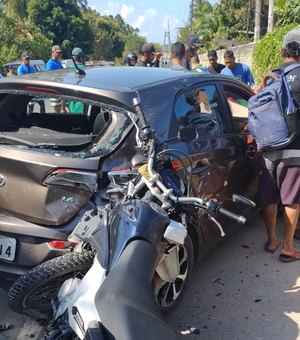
pixel 291 36
pixel 195 41
pixel 148 48
pixel 25 55
pixel 77 52
pixel 56 48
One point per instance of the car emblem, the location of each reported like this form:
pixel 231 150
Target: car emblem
pixel 2 181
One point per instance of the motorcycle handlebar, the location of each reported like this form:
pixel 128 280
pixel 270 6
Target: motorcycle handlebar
pixel 212 206
pixel 238 218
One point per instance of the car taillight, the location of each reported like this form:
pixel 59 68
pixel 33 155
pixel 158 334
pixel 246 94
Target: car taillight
pixel 62 244
pixel 84 180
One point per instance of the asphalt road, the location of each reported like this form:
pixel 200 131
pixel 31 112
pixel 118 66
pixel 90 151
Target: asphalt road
pixel 238 291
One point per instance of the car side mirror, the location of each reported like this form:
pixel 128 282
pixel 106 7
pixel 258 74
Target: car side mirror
pixel 188 134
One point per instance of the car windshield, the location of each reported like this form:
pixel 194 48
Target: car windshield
pixel 62 126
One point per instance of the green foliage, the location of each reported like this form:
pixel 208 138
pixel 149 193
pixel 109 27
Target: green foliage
pixel 134 43
pixel 35 25
pixel 267 55
pixel 287 11
pixel 204 23
pixel 59 20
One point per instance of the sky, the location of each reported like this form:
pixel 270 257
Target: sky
pixel 152 18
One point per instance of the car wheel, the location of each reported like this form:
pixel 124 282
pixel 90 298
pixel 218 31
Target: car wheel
pixel 172 274
pixel 33 293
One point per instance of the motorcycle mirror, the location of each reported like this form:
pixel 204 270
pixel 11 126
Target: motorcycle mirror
pixel 188 134
pixel 242 199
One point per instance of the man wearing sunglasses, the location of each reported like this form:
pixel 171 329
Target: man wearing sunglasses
pixel 54 62
pixel 25 67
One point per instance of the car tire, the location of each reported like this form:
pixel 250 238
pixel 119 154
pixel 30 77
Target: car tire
pixel 32 293
pixel 169 288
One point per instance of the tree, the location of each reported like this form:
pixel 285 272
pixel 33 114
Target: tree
pixel 204 23
pixel 60 21
pixel 111 36
pixel 266 55
pixel 287 11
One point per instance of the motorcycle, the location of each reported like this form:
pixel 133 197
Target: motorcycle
pixel 110 286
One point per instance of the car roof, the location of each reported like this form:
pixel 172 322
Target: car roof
pixel 32 62
pixel 121 79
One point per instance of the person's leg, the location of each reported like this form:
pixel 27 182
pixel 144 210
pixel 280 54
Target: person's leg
pixel 291 214
pixel 270 218
pixel 30 107
pixel 42 106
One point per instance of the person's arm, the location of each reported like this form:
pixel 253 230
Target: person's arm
pixel 20 70
pixel 250 78
pixel 48 65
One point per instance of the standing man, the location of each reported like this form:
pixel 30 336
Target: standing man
pixel 149 56
pixel 54 62
pixel 280 175
pixel 177 55
pixel 79 57
pixel 191 47
pixel 25 67
pixel 214 66
pixel 237 70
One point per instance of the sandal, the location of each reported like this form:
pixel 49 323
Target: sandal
pixel 290 258
pixel 266 248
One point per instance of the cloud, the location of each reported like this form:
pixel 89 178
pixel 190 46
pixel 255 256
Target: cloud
pixel 126 11
pixel 150 13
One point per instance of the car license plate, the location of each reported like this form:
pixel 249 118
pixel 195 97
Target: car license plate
pixel 7 248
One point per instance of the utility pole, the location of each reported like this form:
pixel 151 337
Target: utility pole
pixel 248 18
pixel 271 16
pixel 258 5
pixel 191 18
pixel 166 52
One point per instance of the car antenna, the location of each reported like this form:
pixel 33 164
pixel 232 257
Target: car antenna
pixel 79 72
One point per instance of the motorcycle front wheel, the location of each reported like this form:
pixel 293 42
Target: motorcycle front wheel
pixel 172 274
pixel 34 293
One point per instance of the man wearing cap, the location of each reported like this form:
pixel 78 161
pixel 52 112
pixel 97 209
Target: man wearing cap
pixel 149 57
pixel 54 62
pixel 79 58
pixel 25 67
pixel 191 48
pixel 280 175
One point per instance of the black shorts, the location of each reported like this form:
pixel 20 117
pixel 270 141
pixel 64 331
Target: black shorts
pixel 279 182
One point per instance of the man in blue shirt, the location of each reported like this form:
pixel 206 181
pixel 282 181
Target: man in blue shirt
pixel 54 62
pixel 237 70
pixel 25 67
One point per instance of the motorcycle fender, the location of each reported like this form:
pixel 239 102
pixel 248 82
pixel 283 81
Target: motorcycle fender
pixel 81 306
pixel 132 220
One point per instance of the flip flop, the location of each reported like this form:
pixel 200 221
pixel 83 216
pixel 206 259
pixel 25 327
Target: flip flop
pixel 290 258
pixel 266 248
